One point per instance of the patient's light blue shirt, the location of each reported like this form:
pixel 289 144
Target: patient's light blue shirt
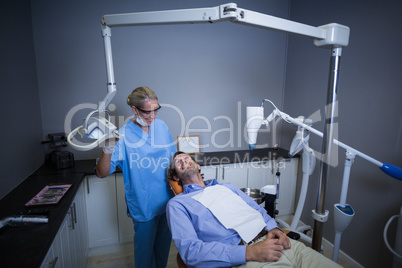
pixel 144 158
pixel 199 237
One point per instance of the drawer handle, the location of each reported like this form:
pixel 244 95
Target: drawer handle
pixel 88 185
pixel 223 172
pixel 52 264
pixel 71 212
pixel 75 212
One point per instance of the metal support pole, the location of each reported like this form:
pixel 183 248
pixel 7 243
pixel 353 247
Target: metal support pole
pixel 327 146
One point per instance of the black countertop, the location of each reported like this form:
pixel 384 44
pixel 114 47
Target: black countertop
pixel 27 245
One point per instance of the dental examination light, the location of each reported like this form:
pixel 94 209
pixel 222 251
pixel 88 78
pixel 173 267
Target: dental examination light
pixel 343 213
pixel 94 128
pixel 97 126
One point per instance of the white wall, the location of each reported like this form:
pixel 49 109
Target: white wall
pixel 369 117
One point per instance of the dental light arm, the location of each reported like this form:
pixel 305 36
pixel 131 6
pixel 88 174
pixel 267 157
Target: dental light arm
pixel 98 128
pixel 327 35
pixel 389 169
pixel 111 84
pixel 330 35
pixel 343 213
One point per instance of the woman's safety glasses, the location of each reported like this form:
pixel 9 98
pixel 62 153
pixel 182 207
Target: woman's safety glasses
pixel 148 113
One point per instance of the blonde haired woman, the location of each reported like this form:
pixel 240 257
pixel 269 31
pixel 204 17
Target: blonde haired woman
pixel 143 155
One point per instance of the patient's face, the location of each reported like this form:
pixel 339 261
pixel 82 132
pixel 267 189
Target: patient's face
pixel 185 165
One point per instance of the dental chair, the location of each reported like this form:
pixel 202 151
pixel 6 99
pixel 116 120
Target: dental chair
pixel 177 189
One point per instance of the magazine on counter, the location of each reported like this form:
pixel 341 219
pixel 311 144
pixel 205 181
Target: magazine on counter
pixel 50 195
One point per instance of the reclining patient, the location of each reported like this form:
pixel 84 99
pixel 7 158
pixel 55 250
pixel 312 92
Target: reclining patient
pixel 217 225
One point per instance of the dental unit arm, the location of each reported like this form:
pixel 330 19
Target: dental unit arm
pixel 343 213
pixel 255 117
pixel 99 128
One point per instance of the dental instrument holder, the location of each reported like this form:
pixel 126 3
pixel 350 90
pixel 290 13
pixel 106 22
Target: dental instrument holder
pixel 333 36
pixel 344 211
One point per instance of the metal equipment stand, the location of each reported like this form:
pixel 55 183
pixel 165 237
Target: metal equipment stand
pixel 321 215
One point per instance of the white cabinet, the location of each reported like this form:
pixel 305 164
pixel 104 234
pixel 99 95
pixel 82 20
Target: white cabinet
pixel 78 228
pixel 101 211
pixel 108 222
pixel 210 172
pixel 126 230
pixel 287 186
pixel 50 261
pixel 236 174
pixel 70 246
pixel 233 173
pixel 65 257
pixel 261 174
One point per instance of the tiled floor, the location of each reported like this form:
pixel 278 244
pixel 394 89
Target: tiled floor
pixel 125 259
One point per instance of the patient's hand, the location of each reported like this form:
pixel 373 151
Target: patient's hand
pixel 280 236
pixel 268 250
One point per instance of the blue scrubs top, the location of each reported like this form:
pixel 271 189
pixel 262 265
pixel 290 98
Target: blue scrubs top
pixel 144 159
